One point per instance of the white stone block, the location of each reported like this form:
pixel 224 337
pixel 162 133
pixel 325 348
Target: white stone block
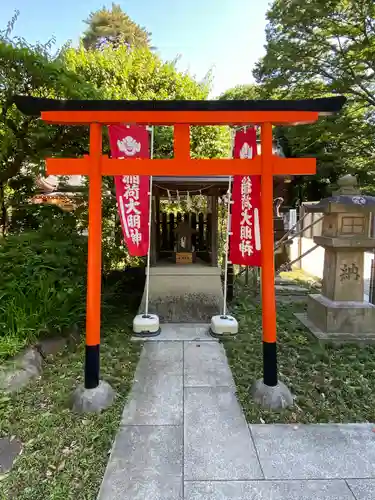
pixel 223 325
pixel 146 325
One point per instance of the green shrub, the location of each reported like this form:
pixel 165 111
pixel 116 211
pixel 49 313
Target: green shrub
pixel 30 217
pixel 42 285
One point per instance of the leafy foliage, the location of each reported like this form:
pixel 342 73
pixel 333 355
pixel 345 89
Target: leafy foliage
pixel 113 27
pixel 242 92
pixel 46 298
pixel 64 456
pixel 28 217
pixel 316 49
pixel 123 73
pixel 42 285
pixel 25 141
pixel 330 42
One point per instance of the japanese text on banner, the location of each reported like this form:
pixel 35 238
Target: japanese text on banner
pixel 246 225
pixel 132 191
pixel 245 244
pixel 132 212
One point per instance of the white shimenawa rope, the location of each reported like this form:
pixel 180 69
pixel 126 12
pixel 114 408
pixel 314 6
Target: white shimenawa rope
pixel 229 196
pixel 149 228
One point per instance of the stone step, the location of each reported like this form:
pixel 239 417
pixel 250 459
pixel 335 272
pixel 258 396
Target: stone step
pixel 291 289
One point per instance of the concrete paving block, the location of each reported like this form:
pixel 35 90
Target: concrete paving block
pixel 146 462
pixel 184 332
pixel 163 357
pixel 157 394
pixel 145 489
pixel 268 490
pixel 321 451
pixel 155 400
pixel 205 365
pixel 363 489
pixel 217 443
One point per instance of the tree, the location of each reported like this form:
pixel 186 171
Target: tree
pixel 113 27
pixel 124 73
pixel 327 41
pixel 316 49
pixel 246 92
pixel 341 144
pixel 26 141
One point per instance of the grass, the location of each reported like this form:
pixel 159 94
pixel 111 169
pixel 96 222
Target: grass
pixel 331 383
pixel 299 276
pixel 65 454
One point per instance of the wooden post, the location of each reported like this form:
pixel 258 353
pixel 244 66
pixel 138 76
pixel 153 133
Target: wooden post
pixel 94 265
pixel 230 282
pixel 372 283
pixel 164 234
pixel 153 235
pixel 214 233
pixel 157 223
pixel 300 226
pixel 194 227
pixel 268 264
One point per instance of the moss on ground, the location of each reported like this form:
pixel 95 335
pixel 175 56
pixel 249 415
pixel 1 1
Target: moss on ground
pixel 331 383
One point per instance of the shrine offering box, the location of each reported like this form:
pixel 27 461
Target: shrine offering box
pixel 185 257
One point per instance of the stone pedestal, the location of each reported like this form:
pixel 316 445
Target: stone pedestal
pixel 341 317
pixel 339 312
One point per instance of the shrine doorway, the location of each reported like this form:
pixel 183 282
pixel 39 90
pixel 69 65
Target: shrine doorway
pixel 185 226
pixel 185 276
pixel 180 232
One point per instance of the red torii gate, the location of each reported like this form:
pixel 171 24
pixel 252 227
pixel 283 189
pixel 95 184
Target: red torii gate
pixel 181 115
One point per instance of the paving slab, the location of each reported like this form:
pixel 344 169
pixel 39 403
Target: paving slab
pixel 155 400
pixel 318 451
pixel 145 463
pixel 157 394
pixel 268 490
pixel 205 365
pixel 363 489
pixel 165 357
pixel 217 442
pixel 178 332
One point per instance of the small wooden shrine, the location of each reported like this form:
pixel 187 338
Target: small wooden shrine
pixel 190 235
pixel 186 234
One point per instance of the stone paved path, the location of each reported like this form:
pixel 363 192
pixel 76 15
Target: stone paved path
pixel 184 436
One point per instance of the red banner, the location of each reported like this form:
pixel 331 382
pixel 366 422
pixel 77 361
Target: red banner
pixel 245 245
pixel 132 190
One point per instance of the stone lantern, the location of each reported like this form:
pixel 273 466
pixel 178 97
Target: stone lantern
pixel 339 312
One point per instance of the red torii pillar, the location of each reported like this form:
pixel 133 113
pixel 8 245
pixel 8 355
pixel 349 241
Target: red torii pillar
pixel 96 165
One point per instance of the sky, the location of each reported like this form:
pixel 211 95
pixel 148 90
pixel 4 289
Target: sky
pixel 226 36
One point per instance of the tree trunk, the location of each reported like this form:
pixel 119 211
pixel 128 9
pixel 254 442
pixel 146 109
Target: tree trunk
pixel 3 210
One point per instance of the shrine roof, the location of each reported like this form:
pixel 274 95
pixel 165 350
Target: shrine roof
pixel 34 106
pixel 354 200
